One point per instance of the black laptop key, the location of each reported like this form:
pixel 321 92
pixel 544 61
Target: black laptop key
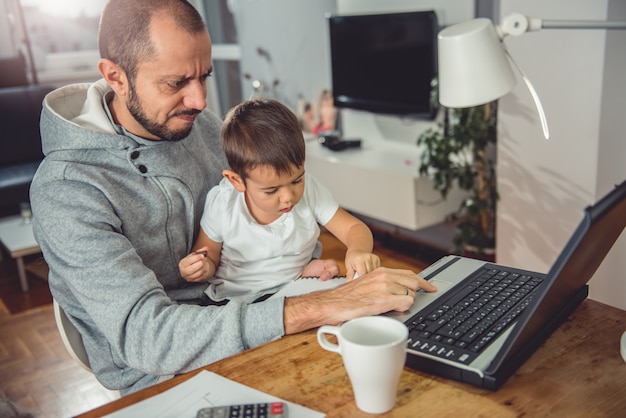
pixel 440 349
pixel 459 296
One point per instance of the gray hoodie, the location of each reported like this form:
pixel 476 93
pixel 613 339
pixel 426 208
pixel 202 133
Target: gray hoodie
pixel 113 216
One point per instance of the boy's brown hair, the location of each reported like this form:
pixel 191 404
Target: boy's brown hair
pixel 262 132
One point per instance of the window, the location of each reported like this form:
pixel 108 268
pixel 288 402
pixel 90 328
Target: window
pixel 226 53
pixel 63 38
pixel 62 25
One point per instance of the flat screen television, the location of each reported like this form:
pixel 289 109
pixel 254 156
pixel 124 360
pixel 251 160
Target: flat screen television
pixel 384 63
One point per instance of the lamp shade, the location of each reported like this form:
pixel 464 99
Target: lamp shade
pixel 473 66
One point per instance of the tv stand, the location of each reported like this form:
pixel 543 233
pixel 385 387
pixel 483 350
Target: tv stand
pixel 381 180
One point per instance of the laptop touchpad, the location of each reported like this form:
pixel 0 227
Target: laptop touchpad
pixel 442 287
pixel 422 299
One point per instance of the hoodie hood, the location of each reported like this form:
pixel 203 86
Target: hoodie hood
pixel 69 111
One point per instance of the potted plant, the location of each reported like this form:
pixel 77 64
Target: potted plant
pixel 461 151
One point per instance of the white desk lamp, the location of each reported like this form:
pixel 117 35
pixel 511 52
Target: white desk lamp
pixel 473 64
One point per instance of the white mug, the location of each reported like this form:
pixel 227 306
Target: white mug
pixel 373 349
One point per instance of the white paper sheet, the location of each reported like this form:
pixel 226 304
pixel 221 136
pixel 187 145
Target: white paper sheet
pixel 306 285
pixel 203 390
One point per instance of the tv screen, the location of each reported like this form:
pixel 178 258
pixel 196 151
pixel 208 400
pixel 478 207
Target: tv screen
pixel 384 63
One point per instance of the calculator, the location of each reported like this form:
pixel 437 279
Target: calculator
pixel 254 410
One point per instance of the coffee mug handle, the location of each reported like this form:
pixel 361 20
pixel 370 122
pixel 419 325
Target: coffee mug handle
pixel 324 343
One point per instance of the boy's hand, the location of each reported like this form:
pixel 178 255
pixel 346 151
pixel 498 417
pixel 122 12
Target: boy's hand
pixel 360 262
pixel 196 267
pixel 325 269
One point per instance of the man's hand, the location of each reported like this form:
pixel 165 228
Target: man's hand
pixel 380 291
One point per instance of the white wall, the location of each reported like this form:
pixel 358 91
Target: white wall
pixel 544 185
pixel 295 34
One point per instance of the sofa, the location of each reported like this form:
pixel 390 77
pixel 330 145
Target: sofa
pixel 20 143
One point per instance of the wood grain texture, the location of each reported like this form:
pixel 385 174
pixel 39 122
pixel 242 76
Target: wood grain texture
pixel 577 372
pixel 37 373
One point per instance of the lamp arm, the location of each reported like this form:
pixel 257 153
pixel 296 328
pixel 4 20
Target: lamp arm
pixel 582 24
pixel 535 96
pixel 517 24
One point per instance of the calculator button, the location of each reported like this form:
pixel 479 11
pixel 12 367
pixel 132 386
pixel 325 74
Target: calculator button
pixel 215 412
pixel 277 408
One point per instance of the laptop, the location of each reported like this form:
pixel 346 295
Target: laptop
pixel 486 319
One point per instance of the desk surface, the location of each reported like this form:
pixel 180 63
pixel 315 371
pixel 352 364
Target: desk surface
pixel 578 371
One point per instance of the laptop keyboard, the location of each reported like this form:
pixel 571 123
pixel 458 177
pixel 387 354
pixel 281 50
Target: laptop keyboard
pixel 464 323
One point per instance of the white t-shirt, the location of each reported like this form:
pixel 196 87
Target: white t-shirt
pixel 258 259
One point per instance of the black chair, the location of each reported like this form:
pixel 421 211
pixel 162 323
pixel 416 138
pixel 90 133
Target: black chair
pixel 20 143
pixel 13 71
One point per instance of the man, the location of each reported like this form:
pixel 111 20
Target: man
pixel 118 199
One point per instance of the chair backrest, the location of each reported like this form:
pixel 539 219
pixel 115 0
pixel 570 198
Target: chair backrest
pixel 71 337
pixel 20 112
pixel 13 71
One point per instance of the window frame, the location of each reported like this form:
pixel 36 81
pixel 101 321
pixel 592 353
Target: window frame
pixel 62 68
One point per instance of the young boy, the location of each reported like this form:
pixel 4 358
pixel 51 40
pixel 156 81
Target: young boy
pixel 260 224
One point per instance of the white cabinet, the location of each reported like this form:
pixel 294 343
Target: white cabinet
pixel 381 180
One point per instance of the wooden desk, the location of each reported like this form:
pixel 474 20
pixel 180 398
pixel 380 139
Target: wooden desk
pixel 578 371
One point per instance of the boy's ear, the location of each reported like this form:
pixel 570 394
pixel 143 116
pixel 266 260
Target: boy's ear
pixel 235 179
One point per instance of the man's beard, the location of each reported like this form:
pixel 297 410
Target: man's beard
pixel 160 131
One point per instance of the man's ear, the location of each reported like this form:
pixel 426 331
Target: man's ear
pixel 114 76
pixel 235 179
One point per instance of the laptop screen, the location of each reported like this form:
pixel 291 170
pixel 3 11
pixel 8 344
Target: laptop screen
pixel 601 226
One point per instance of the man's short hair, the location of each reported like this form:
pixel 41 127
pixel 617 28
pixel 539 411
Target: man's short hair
pixel 262 132
pixel 124 33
